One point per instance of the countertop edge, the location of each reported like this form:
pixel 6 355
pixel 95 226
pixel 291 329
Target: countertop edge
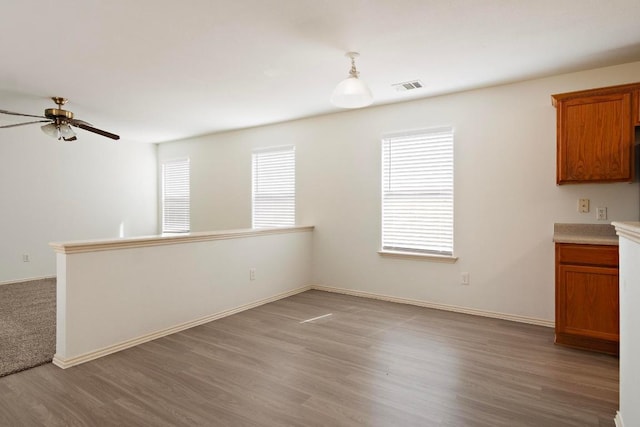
pixel 585 234
pixel 586 240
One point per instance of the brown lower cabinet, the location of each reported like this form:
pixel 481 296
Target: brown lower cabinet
pixel 636 107
pixel 587 312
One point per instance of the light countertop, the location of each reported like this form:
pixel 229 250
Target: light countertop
pixel 586 234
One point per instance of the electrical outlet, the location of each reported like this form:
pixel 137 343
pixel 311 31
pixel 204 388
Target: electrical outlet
pixel 601 214
pixel 25 258
pixel 252 274
pixel 583 205
pixel 464 278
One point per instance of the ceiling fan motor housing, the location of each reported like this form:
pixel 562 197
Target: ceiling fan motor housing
pixel 56 113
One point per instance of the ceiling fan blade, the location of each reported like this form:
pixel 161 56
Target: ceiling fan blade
pixel 76 122
pixel 20 114
pixel 81 125
pixel 22 124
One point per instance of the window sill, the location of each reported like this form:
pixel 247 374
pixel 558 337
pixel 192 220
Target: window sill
pixel 419 256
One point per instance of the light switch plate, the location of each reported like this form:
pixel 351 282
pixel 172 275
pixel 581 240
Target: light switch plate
pixel 583 205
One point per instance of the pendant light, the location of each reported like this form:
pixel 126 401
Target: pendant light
pixel 352 92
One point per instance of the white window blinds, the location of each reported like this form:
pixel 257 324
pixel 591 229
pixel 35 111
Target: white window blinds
pixel 175 196
pixel 417 192
pixel 274 187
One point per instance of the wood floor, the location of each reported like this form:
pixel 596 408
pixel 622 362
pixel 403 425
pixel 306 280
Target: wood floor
pixel 370 363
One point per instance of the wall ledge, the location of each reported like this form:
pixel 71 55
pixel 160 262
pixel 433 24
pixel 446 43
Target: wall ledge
pixel 448 259
pixel 160 240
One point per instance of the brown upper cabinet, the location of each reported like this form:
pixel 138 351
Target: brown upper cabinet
pixel 595 134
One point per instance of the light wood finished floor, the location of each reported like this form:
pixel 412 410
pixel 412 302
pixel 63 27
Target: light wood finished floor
pixel 370 363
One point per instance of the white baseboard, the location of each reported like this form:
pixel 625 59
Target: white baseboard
pixel 28 279
pixel 86 357
pixel 618 420
pixel 446 307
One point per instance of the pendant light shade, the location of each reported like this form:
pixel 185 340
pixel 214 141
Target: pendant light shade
pixel 51 129
pixel 352 92
pixel 59 131
pixel 67 133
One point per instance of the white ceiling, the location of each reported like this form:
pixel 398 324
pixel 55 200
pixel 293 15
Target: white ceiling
pixel 156 70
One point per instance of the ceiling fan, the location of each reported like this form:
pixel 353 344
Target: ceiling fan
pixel 59 122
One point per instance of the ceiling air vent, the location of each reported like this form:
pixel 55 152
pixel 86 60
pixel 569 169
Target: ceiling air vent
pixel 405 86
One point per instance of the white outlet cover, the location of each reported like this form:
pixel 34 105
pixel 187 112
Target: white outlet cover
pixel 601 214
pixel 464 278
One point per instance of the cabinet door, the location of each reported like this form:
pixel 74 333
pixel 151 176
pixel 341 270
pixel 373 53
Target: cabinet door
pixel 595 137
pixel 587 299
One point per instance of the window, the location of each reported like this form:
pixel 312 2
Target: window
pixel 274 187
pixel 417 192
pixel 175 196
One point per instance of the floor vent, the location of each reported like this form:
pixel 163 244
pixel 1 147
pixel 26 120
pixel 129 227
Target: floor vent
pixel 405 86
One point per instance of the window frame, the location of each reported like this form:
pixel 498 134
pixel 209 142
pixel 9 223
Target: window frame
pixel 406 250
pixel 163 197
pixel 259 222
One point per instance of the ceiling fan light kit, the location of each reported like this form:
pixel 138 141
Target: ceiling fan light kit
pixel 62 132
pixel 352 92
pixel 59 123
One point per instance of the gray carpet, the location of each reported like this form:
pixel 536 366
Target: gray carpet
pixel 27 325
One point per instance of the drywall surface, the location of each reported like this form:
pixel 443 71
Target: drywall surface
pixel 53 191
pixel 506 197
pixel 629 321
pixel 113 299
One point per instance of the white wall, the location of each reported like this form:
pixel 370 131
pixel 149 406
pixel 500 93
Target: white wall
pixel 506 199
pixel 629 320
pixel 52 191
pixel 116 298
